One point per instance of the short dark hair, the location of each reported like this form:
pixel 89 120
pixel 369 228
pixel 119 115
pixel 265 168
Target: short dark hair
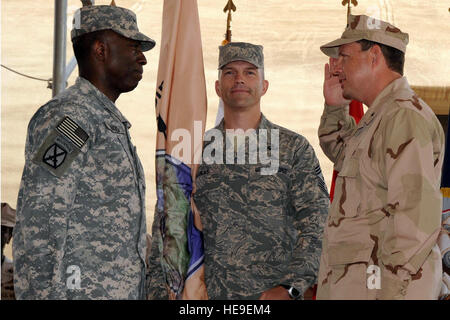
pixel 395 58
pixel 82 45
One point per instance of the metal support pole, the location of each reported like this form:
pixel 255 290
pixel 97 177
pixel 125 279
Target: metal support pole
pixel 59 47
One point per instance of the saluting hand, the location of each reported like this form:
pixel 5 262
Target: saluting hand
pixel 332 90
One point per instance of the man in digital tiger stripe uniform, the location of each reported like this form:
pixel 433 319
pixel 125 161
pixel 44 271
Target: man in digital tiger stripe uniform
pixel 263 214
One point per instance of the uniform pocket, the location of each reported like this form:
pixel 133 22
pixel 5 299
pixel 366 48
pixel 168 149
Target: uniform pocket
pixel 349 253
pixel 208 192
pixel 350 168
pixel 270 189
pixel 107 167
pixel 207 182
pixel 348 270
pixel 347 197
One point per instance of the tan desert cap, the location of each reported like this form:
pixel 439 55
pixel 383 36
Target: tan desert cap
pixel 368 28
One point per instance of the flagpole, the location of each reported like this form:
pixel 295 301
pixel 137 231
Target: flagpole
pixel 228 7
pixel 348 3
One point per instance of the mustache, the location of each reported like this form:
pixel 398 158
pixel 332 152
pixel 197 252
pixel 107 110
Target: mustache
pixel 240 87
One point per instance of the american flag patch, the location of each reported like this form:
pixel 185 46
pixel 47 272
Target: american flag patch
pixel 69 129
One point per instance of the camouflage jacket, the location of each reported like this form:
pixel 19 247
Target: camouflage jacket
pixel 80 210
pixel 262 230
pixel 380 237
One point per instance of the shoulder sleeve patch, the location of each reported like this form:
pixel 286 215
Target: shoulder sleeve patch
pixel 72 131
pixel 61 147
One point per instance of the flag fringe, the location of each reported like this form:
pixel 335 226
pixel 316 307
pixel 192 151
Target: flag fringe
pixel 445 192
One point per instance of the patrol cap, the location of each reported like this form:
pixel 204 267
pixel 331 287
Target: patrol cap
pixel 103 17
pixel 8 216
pixel 368 28
pixel 241 51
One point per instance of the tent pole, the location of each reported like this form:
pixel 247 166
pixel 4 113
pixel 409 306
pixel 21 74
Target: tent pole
pixel 59 47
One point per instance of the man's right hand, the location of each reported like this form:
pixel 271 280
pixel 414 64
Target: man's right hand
pixel 332 90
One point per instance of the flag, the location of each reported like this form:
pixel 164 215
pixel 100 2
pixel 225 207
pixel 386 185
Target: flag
pixel 444 238
pixel 181 114
pixel 445 180
pixel 220 113
pixel 356 111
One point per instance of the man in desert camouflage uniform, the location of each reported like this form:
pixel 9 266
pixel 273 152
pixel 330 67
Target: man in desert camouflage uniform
pixel 81 229
pixel 381 232
pixel 262 224
pixel 8 222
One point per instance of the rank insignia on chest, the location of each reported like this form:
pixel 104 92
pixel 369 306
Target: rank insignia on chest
pixel 61 147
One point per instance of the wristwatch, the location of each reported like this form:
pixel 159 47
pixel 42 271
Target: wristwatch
pixel 293 293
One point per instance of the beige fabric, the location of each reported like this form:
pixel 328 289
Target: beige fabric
pixel 368 28
pixel 387 206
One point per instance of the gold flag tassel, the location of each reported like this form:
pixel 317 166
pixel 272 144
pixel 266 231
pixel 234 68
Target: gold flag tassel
pixel 349 9
pixel 228 7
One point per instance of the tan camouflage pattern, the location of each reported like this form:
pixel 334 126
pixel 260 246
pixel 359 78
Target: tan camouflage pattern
pixel 93 216
pixel 123 21
pixel 262 230
pixel 7 280
pixel 368 28
pixel 242 51
pixel 387 205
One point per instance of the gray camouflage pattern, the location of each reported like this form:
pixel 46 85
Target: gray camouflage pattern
pixel 92 216
pixel 242 51
pixel 123 21
pixel 259 230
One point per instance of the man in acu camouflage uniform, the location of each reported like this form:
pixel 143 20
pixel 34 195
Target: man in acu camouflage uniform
pixel 380 237
pixel 81 229
pixel 262 226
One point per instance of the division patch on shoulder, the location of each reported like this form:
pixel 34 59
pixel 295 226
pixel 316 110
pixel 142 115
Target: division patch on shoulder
pixel 61 147
pixel 55 155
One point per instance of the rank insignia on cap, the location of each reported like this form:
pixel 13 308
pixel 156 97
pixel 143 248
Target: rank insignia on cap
pixel 55 156
pixel 69 129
